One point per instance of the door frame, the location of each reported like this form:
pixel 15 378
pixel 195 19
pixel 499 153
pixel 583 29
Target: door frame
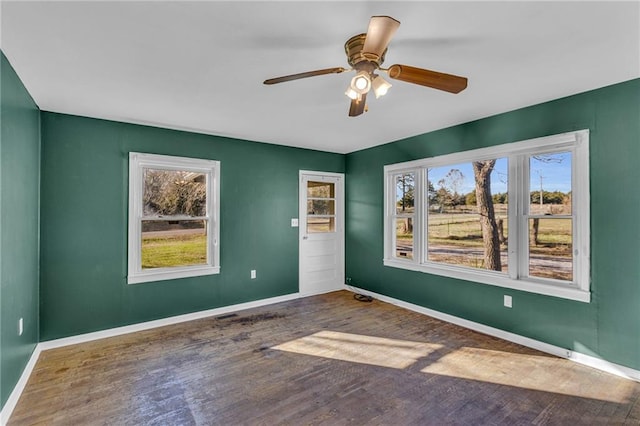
pixel 340 225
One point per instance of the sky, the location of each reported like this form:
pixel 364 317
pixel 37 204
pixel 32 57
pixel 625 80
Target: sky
pixel 555 170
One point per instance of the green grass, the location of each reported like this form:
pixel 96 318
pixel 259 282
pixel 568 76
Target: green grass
pixel 460 230
pixel 164 252
pixel 554 238
pixel 463 231
pixel 456 238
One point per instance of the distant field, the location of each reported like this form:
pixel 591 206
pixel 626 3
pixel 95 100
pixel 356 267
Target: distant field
pixel 460 229
pixel 174 250
pixel 453 238
pixel 456 238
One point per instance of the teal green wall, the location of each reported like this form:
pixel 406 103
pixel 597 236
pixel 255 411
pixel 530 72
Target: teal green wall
pixel 76 169
pixel 19 213
pixel 609 326
pixel 84 223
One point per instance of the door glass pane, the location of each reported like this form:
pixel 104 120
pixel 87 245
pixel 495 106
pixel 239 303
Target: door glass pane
pixel 172 243
pixel 405 184
pixel 174 193
pixel 551 249
pixel 404 238
pixel 320 189
pixel 463 228
pixel 317 224
pixel 550 183
pixel 321 207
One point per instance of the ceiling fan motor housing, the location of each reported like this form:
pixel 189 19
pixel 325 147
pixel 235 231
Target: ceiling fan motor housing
pixel 359 60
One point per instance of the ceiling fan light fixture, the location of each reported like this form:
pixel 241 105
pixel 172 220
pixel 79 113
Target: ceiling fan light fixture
pixel 380 86
pixel 361 83
pixel 351 94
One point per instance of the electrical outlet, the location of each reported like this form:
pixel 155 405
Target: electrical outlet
pixel 508 301
pixel 253 274
pixel 20 326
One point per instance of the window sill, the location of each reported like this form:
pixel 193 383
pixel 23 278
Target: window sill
pixel 495 279
pixel 161 274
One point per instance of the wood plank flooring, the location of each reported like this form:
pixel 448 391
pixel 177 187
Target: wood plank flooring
pixel 326 360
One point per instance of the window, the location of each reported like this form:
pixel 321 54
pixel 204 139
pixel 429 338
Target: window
pixel 455 218
pixel 403 214
pixel 174 207
pixel 514 215
pixel 321 207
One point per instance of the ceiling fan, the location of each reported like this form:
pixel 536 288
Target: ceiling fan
pixel 365 54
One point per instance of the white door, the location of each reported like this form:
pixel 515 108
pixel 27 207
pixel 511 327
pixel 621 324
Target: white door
pixel 321 232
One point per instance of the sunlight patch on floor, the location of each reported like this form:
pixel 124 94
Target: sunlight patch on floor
pixel 392 353
pixel 543 373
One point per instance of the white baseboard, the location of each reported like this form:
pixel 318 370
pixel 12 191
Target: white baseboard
pixel 12 401
pixel 10 405
pixel 604 365
pixel 81 338
pixel 580 358
pixel 600 364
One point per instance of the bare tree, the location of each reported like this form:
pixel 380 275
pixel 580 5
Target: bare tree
pixel 449 186
pixel 406 184
pixel 490 230
pixel 174 193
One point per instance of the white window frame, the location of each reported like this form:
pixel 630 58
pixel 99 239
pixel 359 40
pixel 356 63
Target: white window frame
pixel 394 215
pixel 211 169
pixel 517 277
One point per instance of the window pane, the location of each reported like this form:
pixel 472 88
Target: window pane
pixel 550 183
pixel 551 249
pixel 321 207
pixel 405 184
pixel 174 193
pixel 320 189
pixel 317 225
pixel 404 238
pixel 457 220
pixel 169 243
pixel 459 241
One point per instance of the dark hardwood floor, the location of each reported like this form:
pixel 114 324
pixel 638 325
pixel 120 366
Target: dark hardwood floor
pixel 325 359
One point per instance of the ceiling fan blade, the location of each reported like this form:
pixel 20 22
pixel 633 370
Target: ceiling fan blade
pixel 381 31
pixel 437 80
pixel 357 106
pixel 304 75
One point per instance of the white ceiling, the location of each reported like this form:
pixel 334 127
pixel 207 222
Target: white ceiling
pixel 199 66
